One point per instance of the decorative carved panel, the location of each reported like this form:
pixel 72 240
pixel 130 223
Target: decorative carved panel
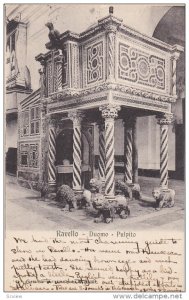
pixel 140 67
pixel 95 66
pixel 29 155
pixel 74 53
pixel 34 155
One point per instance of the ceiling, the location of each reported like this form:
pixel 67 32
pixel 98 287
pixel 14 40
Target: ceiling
pixel 171 28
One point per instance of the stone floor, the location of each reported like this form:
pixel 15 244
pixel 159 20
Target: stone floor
pixel 25 210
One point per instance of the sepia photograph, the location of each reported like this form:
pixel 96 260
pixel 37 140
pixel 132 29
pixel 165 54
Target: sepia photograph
pixel 94 111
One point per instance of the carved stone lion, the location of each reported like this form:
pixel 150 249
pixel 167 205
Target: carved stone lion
pixel 108 209
pixel 164 198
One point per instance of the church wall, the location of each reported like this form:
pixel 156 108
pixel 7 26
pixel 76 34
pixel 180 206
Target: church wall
pixel 11 133
pixel 149 144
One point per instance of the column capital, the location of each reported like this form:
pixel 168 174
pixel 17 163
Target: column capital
pixel 76 117
pixel 165 119
pixel 43 107
pixel 52 122
pixel 41 71
pixel 110 111
pixel 111 28
pixel 59 58
pixel 129 121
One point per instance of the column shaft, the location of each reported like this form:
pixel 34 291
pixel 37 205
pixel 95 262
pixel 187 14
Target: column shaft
pixel 164 121
pixel 109 152
pixel 76 157
pixel 135 152
pixel 164 156
pixel 109 113
pixel 76 117
pixel 52 156
pixel 59 71
pixel 101 162
pixel 128 152
pixel 111 54
pixel 174 79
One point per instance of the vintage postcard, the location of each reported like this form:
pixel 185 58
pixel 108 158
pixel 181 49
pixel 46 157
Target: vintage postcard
pixel 95 148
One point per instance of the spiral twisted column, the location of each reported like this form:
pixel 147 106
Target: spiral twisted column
pixel 111 30
pixel 111 33
pixel 102 157
pixel 135 151
pixel 52 153
pixel 174 76
pixel 109 113
pixel 128 151
pixel 164 121
pixel 59 70
pixel 76 118
pixel 174 59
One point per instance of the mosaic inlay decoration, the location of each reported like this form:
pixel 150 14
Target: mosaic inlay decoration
pixel 142 68
pixel 24 128
pixel 49 78
pixel 34 155
pixel 95 63
pixel 29 155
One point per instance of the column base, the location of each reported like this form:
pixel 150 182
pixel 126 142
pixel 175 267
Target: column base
pixel 136 192
pixel 78 192
pixel 135 188
pixel 52 188
pixel 164 197
pixel 102 188
pixel 110 197
pixel 51 192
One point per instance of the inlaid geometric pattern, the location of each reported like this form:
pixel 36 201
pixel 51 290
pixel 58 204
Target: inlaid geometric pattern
pixel 23 155
pixel 29 155
pixel 49 78
pixel 142 68
pixel 24 128
pixel 95 63
pixel 33 155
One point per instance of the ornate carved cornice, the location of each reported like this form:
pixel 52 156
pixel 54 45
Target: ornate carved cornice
pixel 64 93
pixel 109 111
pixel 146 94
pixel 109 21
pixel 69 35
pixel 115 87
pixel 128 31
pixel 165 119
pixel 176 51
